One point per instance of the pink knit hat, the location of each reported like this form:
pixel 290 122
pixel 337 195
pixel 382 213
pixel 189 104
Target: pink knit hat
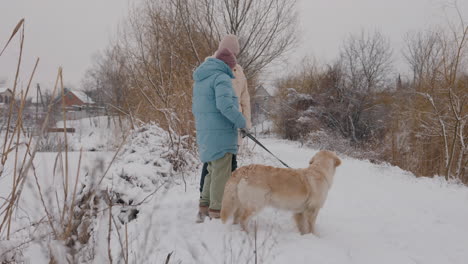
pixel 227 57
pixel 229 42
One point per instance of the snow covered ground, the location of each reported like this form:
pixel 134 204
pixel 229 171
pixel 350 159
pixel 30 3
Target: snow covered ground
pixel 30 211
pixel 99 133
pixel 374 214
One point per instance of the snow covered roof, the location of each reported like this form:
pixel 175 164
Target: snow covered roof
pixel 4 89
pixel 261 91
pixel 82 96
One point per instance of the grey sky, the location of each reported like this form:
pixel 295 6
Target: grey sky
pixel 325 23
pixel 61 32
pixel 67 33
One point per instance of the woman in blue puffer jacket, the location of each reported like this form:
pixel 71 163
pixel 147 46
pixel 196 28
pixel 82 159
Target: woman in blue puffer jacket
pixel 217 119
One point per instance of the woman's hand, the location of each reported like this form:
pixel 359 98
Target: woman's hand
pixel 244 132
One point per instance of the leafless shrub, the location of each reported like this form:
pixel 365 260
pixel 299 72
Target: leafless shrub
pixel 64 231
pixel 343 97
pixel 158 76
pixel 438 109
pixel 417 124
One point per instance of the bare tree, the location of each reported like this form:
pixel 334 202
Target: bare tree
pixel 365 63
pixel 107 78
pixel 266 28
pixel 423 53
pixel 147 71
pixel 438 61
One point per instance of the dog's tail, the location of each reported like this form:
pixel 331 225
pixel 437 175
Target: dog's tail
pixel 230 202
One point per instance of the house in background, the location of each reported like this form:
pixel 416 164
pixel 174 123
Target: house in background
pixel 74 98
pixel 77 104
pixel 6 95
pixel 262 104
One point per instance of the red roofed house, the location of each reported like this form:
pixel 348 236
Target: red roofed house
pixel 75 98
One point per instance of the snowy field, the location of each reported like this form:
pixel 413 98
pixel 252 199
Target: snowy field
pixel 374 213
pixel 99 133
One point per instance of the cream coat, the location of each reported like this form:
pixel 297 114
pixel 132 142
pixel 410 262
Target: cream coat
pixel 242 92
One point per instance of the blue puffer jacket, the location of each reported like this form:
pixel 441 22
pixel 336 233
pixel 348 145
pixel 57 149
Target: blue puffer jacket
pixel 216 110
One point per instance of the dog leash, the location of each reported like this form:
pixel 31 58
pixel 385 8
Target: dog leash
pixel 261 145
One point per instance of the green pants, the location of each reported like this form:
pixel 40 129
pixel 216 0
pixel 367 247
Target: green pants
pixel 219 172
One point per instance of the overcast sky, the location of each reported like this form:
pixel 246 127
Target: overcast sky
pixel 325 23
pixel 61 32
pixel 69 32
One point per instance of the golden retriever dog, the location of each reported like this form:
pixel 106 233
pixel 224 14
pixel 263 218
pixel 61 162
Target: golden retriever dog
pixel 302 191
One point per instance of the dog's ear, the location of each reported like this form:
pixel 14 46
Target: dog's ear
pixel 337 161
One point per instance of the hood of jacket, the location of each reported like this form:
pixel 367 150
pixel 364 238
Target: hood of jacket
pixel 210 67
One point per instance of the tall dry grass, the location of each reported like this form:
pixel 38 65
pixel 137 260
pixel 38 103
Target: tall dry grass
pixel 69 212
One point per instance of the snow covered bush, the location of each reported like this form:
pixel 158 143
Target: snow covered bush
pixel 147 160
pixel 90 225
pixel 149 163
pixel 295 118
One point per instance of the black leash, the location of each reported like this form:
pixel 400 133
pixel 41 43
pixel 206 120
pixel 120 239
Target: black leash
pixel 261 145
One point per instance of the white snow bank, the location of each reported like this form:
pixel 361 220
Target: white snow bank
pixel 146 161
pixel 374 214
pixel 30 234
pixel 100 133
pixel 149 164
